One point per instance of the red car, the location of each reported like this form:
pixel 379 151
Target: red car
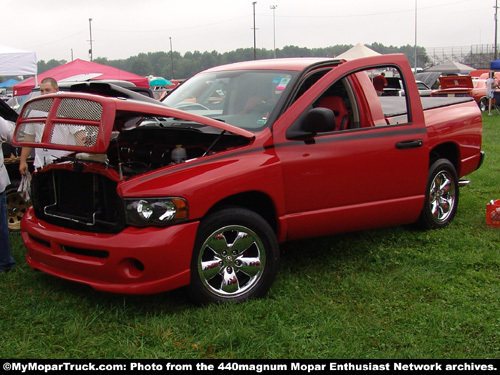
pixel 200 190
pixel 464 86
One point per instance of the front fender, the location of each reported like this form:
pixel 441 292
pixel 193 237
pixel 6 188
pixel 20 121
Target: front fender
pixel 207 181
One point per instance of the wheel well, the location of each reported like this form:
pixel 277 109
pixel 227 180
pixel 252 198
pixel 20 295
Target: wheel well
pixel 254 201
pixel 447 151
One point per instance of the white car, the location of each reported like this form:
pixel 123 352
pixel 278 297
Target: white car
pixel 423 89
pixel 395 88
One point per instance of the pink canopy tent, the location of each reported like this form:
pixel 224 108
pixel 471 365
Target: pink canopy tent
pixel 81 67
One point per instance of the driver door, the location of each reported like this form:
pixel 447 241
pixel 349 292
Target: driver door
pixel 370 173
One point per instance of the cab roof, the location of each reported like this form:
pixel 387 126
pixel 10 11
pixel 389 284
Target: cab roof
pixel 294 64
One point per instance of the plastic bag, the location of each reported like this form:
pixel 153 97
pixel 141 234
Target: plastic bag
pixel 25 186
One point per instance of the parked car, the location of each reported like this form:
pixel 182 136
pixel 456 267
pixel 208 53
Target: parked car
pixel 113 88
pixel 395 87
pixel 200 192
pixel 423 89
pixel 463 86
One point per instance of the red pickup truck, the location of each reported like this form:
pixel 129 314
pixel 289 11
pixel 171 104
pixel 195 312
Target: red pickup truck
pixel 200 190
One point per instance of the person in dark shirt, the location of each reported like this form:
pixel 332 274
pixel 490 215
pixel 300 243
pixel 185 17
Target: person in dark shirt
pixel 6 261
pixel 379 82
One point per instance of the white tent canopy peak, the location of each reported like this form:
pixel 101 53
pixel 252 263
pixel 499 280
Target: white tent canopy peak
pixel 15 62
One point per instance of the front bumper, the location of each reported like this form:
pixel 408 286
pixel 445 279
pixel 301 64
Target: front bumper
pixel 134 261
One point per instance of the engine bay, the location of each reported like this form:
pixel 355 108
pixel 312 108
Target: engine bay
pixel 146 148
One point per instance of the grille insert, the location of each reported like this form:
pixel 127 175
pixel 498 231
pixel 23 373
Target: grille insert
pixel 77 200
pixel 79 109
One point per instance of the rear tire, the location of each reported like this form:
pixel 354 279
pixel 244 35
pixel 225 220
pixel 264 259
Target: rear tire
pixel 441 196
pixel 235 257
pixel 483 104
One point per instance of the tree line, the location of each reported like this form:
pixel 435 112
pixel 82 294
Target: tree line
pixel 173 65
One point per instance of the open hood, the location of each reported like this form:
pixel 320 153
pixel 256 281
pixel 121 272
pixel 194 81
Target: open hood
pixel 6 112
pixel 44 120
pixel 456 82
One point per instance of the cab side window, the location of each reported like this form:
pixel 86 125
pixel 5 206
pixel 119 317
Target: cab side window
pixel 367 98
pixel 362 99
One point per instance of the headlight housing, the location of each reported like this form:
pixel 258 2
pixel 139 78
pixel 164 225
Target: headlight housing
pixel 155 211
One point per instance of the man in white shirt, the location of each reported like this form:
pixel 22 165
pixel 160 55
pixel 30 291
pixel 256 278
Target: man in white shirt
pixel 491 85
pixel 64 135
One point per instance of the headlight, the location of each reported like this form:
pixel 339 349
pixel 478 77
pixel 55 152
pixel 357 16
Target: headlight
pixel 155 211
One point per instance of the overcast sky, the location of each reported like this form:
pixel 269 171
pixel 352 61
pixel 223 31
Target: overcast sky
pixel 60 29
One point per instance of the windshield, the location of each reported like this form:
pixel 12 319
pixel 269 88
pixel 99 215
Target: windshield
pixel 244 99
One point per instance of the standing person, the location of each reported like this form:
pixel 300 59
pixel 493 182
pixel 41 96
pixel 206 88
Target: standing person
pixel 379 82
pixel 6 260
pixel 45 156
pixel 490 89
pixel 491 85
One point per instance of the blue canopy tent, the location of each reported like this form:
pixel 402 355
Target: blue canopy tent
pixel 160 81
pixel 9 83
pixel 495 65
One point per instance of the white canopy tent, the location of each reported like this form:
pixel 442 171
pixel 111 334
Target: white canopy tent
pixel 357 52
pixel 14 62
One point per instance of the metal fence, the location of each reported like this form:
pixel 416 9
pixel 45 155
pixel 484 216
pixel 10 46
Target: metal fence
pixel 478 56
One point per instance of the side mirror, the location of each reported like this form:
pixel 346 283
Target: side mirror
pixel 317 120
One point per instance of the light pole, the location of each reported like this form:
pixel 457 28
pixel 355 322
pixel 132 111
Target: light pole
pixel 415 36
pixel 254 37
pixel 496 20
pixel 171 57
pixel 273 7
pixel 90 29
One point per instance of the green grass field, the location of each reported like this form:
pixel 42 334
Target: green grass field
pixel 387 293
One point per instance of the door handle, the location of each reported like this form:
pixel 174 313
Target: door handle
pixel 409 144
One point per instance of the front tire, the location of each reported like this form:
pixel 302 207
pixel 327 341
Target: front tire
pixel 441 197
pixel 235 257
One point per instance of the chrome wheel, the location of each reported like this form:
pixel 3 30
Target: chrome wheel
pixel 231 261
pixel 442 196
pixel 483 105
pixel 235 257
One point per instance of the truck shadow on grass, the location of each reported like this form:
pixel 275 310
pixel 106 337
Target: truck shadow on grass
pixel 335 252
pixel 317 260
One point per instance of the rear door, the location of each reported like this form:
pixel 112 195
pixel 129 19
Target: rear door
pixel 371 173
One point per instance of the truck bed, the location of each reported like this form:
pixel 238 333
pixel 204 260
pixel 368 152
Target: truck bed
pixel 396 106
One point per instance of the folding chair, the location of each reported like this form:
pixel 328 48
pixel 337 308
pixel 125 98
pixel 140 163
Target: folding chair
pixel 496 101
